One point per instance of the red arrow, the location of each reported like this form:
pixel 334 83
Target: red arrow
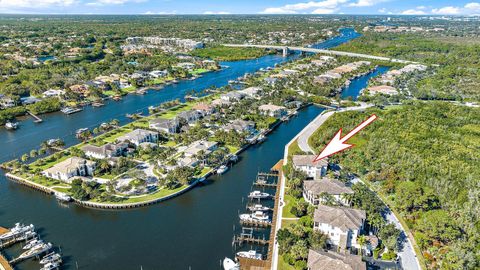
pixel 338 144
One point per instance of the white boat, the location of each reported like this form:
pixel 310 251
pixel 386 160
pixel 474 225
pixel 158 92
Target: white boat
pixel 258 195
pixel 222 169
pixel 80 131
pixel 234 158
pixel 17 230
pixel 30 244
pixel 50 258
pixel 62 197
pixel 229 264
pixel 50 266
pixel 261 138
pixel 68 110
pixel 201 180
pixel 258 207
pixel 11 125
pixel 27 235
pixel 36 250
pixel 256 216
pixel 251 254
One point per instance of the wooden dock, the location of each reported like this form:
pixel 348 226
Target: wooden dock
pixel 4 265
pixel 258 224
pixel 37 119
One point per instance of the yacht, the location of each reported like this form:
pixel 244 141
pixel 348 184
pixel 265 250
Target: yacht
pixel 30 244
pixel 62 197
pixel 27 235
pixel 258 195
pixel 229 264
pixel 11 125
pixel 258 207
pixel 69 110
pixel 222 169
pixel 251 254
pixel 51 257
pixel 17 230
pixel 36 250
pixel 51 266
pixel 80 131
pixel 256 216
pixel 261 138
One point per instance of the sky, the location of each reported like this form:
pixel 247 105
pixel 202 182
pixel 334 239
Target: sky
pixel 151 7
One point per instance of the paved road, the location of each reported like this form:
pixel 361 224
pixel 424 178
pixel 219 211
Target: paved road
pixel 318 121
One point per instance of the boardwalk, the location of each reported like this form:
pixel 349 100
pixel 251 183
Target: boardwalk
pixel 322 51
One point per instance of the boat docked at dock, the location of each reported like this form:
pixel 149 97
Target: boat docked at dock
pixel 51 258
pixel 62 197
pixel 34 251
pixel 251 254
pixel 229 264
pixel 256 194
pixel 16 231
pixel 222 169
pixel 30 244
pixel 261 138
pixel 256 216
pixel 80 131
pixel 69 110
pixel 258 207
pixel 11 125
pixel 51 266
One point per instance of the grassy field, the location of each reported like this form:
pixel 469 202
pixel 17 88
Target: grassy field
pixel 157 195
pixel 282 265
pixel 289 203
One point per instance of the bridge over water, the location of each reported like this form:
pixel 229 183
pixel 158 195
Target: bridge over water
pixel 286 49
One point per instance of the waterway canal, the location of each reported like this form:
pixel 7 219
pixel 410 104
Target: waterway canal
pixel 193 231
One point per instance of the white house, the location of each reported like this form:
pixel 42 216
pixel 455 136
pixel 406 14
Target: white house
pixel 165 125
pixel 326 260
pixel 69 168
pixel 342 225
pixel 158 73
pixel 139 136
pixel 313 190
pixel 105 151
pixel 252 92
pixel 206 146
pixel 273 110
pixel 53 93
pixel 305 163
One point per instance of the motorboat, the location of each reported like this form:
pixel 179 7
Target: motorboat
pixel 256 216
pixel 222 169
pixel 30 244
pixel 11 125
pixel 258 195
pixel 81 130
pixel 50 266
pixel 17 230
pixel 233 158
pixel 229 264
pixel 50 258
pixel 36 250
pixel 62 197
pixel 251 254
pixel 261 138
pixel 69 110
pixel 27 235
pixel 258 207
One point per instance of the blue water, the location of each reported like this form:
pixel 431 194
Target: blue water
pixel 353 89
pixel 194 230
pixel 46 58
pixel 345 35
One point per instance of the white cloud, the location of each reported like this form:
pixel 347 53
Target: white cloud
pixel 326 6
pixel 216 12
pixel 161 12
pixel 421 7
pixel 446 10
pixel 473 6
pixel 112 2
pixel 365 3
pixel 382 10
pixel 35 3
pixel 413 12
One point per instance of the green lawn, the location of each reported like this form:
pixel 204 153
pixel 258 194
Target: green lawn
pixel 157 195
pixel 282 265
pixel 111 137
pixel 289 202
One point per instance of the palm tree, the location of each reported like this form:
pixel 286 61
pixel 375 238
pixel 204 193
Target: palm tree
pixel 362 241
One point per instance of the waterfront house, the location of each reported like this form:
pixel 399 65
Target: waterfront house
pixel 108 150
pixel 165 125
pixel 271 80
pixel 29 100
pixel 232 96
pixel 139 136
pixel 190 116
pixel 240 126
pixel 326 260
pixel 201 145
pixel 314 189
pixel 53 93
pixel 342 225
pixel 273 110
pixel 158 73
pixel 6 102
pixel 204 108
pixel 220 103
pixel 382 89
pixel 186 65
pixel 81 89
pixel 314 170
pixel 252 92
pixel 69 168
